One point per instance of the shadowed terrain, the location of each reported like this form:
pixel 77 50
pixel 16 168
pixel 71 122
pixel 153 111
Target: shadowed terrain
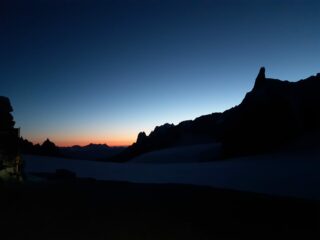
pixel 69 208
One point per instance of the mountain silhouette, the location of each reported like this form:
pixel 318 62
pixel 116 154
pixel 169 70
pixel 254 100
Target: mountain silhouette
pixel 273 114
pixel 90 151
pixel 47 148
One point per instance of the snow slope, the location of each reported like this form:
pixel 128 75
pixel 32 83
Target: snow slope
pixel 193 153
pixel 289 174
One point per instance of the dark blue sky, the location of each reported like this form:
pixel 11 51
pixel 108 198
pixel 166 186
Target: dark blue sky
pixel 101 71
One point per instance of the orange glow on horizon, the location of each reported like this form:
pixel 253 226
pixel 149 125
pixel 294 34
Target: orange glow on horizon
pixel 68 139
pixel 110 143
pixel 84 142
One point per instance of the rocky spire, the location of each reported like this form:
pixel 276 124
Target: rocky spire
pixel 260 78
pixel 141 137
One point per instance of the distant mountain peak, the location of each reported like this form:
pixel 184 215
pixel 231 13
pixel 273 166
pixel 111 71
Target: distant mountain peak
pixel 91 151
pixel 47 144
pixel 98 145
pixel 47 141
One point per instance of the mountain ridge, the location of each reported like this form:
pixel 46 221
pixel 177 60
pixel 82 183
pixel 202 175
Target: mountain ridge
pixel 90 152
pixel 271 115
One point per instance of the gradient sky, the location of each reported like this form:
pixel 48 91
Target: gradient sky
pixel 102 71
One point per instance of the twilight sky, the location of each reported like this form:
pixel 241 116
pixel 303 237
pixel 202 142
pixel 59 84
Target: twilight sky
pixel 103 70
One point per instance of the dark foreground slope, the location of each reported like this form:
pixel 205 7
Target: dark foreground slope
pixel 273 114
pixel 88 209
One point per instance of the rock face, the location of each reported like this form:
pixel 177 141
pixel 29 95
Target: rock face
pixel 271 115
pixel 6 119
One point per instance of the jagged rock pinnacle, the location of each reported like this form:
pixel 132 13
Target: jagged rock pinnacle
pixel 141 137
pixel 260 78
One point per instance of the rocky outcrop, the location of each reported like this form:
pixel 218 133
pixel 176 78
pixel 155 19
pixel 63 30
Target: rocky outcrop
pixel 142 137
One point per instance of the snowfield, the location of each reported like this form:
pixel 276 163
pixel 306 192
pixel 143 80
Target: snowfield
pixel 287 174
pixel 185 154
